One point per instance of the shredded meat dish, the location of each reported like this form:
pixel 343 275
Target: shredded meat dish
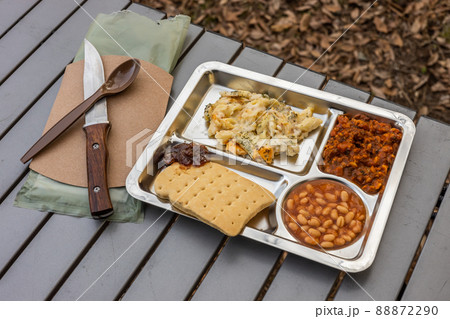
pixel 361 150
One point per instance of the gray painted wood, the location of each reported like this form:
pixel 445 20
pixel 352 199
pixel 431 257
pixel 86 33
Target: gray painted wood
pixel 22 136
pixel 27 34
pixel 423 178
pixel 254 60
pixel 342 89
pixel 243 265
pixel 210 47
pixel 146 11
pixel 16 225
pixel 47 62
pixel 297 278
pixel 194 32
pixel 160 283
pixel 12 11
pixel 45 260
pixel 430 279
pixel 239 272
pixel 104 256
pixel 393 107
pixel 177 263
pixel 300 75
pixel 301 279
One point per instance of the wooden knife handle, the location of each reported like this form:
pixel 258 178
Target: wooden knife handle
pixel 97 157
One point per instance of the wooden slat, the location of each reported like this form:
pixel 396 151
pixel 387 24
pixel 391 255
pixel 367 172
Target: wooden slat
pixel 254 60
pixel 430 279
pixel 294 73
pixel 45 64
pixel 301 279
pixel 113 242
pixel 27 34
pixel 118 237
pixel 296 273
pixel 342 89
pixel 46 258
pixel 239 272
pixel 243 265
pixel 12 11
pixel 21 137
pixel 210 47
pixel 146 11
pixel 193 34
pixel 393 107
pixel 16 225
pixel 423 178
pixel 177 263
pixel 189 244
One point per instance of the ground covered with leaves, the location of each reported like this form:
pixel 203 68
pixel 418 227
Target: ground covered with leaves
pixel 397 49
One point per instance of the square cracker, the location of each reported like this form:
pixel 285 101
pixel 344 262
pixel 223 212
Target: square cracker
pixel 214 194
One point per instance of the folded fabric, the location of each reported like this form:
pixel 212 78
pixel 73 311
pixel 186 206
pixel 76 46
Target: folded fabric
pixel 128 33
pixel 48 195
pixel 120 33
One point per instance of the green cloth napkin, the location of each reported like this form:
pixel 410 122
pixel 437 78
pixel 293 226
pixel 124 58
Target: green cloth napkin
pixel 128 33
pixel 120 33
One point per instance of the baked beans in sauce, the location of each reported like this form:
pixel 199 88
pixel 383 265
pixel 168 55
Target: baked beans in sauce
pixel 361 150
pixel 324 212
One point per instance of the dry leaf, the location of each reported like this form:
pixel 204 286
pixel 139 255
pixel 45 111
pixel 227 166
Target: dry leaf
pixel 433 59
pixel 324 43
pixel 397 40
pixel 256 34
pixel 438 87
pixel 354 14
pixel 282 24
pixel 333 7
pixel 303 8
pixel 304 22
pixel 421 82
pixel 416 25
pixel 377 91
pixel 380 25
pixel 388 83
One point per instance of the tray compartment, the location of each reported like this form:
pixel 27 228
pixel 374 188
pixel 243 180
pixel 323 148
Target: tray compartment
pixel 208 91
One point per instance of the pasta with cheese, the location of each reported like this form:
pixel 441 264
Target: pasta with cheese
pixel 257 125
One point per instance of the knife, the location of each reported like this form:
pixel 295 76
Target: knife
pixel 96 128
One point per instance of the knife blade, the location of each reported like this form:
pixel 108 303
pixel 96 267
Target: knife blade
pixel 96 129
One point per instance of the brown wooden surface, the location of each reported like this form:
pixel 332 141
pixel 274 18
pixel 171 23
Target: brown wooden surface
pixel 97 159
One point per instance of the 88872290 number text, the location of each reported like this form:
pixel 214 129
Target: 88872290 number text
pixel 406 310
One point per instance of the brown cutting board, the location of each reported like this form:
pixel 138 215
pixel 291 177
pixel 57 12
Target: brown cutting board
pixel 134 115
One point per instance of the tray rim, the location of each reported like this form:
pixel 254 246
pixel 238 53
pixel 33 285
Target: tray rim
pixel 368 254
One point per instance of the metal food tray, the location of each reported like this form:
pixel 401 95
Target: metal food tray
pixel 185 123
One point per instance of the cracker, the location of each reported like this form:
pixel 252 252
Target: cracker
pixel 214 194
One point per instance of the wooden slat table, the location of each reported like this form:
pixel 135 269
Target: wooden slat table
pixel 46 256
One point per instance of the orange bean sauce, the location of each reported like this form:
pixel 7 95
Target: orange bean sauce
pixel 324 213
